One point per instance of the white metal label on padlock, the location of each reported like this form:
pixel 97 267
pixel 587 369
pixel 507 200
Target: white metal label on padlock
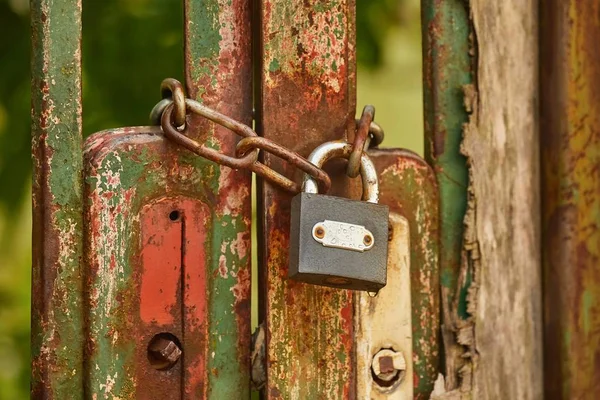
pixel 343 235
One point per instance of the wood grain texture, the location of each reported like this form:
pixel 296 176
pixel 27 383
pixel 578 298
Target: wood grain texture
pixel 500 261
pixel 502 229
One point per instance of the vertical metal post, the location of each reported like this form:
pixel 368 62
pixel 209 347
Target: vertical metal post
pixel 57 324
pixel 306 95
pixel 447 62
pixel 570 169
pixel 218 67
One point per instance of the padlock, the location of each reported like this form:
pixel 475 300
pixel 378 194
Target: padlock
pixel 335 241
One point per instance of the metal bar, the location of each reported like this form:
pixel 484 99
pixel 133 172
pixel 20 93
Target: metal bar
pixel 408 186
pixel 570 169
pixel 218 67
pixel 306 95
pixel 447 68
pixel 57 324
pixel 384 328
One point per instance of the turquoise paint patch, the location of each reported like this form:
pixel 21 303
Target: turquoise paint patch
pixel 274 65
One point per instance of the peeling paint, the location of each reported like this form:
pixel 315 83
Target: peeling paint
pixel 408 186
pixel 304 102
pixel 119 167
pixel 449 58
pixel 57 325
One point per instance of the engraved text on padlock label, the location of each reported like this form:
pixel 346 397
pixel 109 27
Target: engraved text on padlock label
pixel 343 235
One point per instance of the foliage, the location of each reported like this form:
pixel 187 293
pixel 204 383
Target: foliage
pixel 374 20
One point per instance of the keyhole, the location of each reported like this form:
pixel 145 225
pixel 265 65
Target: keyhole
pixel 174 215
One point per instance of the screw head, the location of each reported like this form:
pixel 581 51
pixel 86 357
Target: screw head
pixel 367 240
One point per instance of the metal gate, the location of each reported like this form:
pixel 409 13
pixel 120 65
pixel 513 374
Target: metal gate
pixel 142 235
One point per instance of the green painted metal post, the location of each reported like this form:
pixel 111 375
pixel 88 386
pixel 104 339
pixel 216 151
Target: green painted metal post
pixel 447 68
pixel 218 67
pixel 57 325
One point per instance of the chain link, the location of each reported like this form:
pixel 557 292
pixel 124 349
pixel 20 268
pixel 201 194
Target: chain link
pixel 171 112
pixel 252 143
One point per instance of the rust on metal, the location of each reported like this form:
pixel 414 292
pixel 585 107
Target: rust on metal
pixel 144 272
pixel 247 144
pixel 408 186
pixel 306 95
pixel 202 150
pixel 570 172
pixel 173 89
pixel 163 352
pixel 383 325
pixel 57 325
pixel 362 140
pixel 449 60
pixel 246 150
pixel 376 134
pixel 168 248
pixel 151 262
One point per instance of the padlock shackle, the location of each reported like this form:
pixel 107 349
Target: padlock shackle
pixel 342 149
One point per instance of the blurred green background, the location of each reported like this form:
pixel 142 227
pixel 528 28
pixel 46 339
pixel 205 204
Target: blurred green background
pixel 132 45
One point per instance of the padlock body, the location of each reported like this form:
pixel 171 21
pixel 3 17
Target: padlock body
pixel 313 262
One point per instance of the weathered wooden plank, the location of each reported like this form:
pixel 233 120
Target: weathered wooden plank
pixel 570 155
pixel 447 66
pixel 502 234
pixel 57 325
pixel 408 186
pixel 495 314
pixel 306 96
pixel 133 176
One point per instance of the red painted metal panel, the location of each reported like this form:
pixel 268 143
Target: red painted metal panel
pixel 148 274
pixel 172 269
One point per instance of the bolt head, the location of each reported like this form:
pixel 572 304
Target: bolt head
pixel 388 364
pixel 164 352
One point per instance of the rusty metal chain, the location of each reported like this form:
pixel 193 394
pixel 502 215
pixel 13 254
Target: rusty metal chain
pixel 171 113
pixel 368 135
